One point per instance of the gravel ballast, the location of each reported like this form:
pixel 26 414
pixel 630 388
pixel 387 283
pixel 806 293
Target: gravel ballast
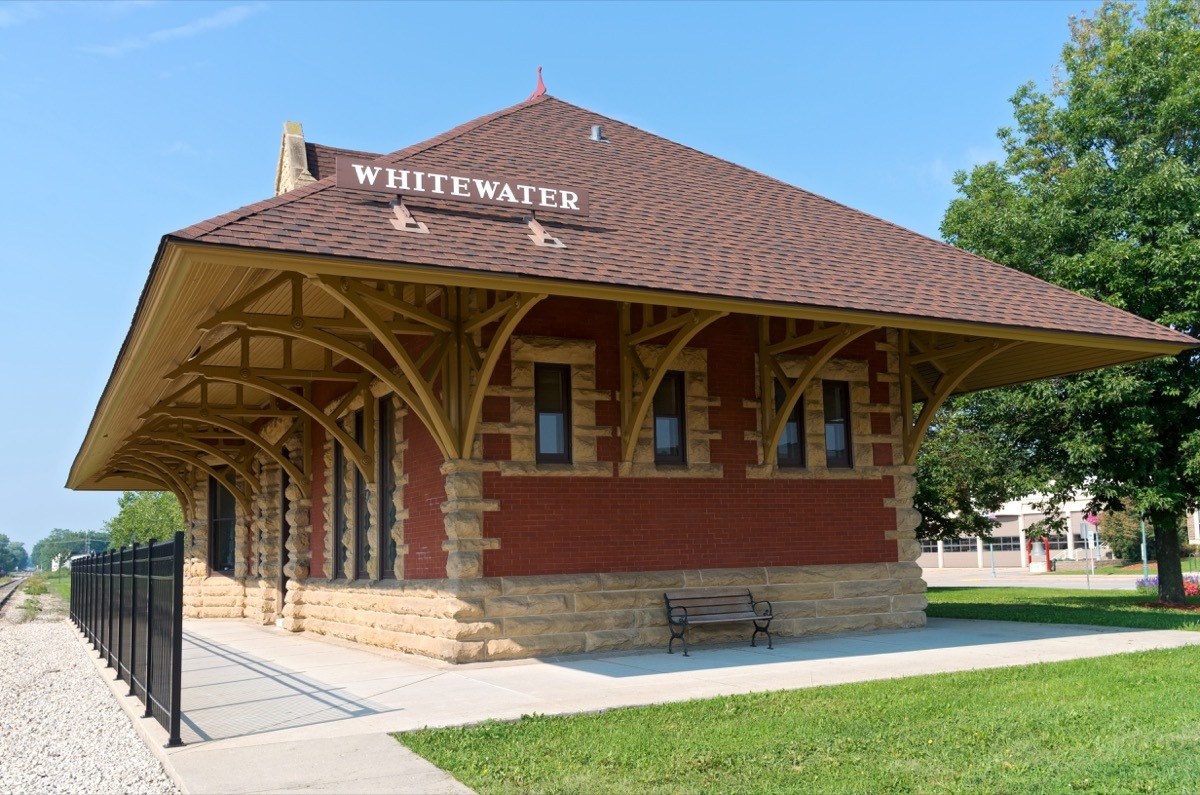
pixel 61 729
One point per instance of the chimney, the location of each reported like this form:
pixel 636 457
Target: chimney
pixel 292 171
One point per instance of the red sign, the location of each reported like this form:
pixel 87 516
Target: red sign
pixel 461 186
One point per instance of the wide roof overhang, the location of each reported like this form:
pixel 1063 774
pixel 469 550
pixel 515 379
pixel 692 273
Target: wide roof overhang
pixel 190 282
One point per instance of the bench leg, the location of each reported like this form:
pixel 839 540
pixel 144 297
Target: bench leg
pixel 763 629
pixel 677 636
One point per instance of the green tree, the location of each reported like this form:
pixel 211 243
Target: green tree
pixel 966 471
pixel 1100 193
pixel 144 515
pixel 12 554
pixel 61 545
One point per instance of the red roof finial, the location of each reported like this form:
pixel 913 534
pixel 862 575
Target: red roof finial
pixel 541 87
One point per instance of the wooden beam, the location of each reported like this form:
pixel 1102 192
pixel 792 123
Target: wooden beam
pixel 238 466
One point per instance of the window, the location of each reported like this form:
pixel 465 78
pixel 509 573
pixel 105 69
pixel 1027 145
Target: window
pixel 552 404
pixel 339 511
pixel 386 419
pixel 668 421
pixel 791 443
pixel 929 545
pixel 222 521
pixel 837 424
pixel 362 514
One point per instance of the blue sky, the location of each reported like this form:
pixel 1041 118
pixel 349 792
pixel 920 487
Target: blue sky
pixel 123 121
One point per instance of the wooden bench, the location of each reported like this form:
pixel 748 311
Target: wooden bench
pixel 714 606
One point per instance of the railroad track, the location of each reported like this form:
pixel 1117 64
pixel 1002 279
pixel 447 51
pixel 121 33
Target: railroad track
pixel 7 590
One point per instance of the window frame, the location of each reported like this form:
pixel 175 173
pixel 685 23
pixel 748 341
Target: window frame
pixel 796 418
pixel 385 419
pixel 843 399
pixel 679 414
pixel 338 501
pixel 360 539
pixel 214 542
pixel 564 457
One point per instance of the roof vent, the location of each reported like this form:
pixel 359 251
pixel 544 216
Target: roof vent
pixel 598 134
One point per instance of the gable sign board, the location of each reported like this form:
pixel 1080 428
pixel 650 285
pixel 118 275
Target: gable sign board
pixel 462 186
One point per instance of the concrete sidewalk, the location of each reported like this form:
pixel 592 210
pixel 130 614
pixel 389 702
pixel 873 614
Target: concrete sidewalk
pixel 271 711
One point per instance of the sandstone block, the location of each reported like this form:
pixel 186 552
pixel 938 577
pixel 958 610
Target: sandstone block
pixel 908 549
pixel 904 570
pixel 641 580
pixel 716 578
pixel 860 606
pixel 527 604
pixel 789 610
pixel 618 600
pixel 794 592
pixel 565 622
pixel 907 519
pixel 913 586
pixel 550 583
pixel 827 573
pixel 614 639
pixel 464 565
pixel 853 588
pixel 907 603
pixel 824 625
pixel 536 646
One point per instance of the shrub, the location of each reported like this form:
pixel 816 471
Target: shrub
pixel 1149 585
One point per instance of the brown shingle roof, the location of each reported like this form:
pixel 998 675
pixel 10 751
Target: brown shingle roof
pixel 322 160
pixel 663 217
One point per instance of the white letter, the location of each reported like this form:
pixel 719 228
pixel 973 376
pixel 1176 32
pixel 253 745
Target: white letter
pixel 438 179
pixel 548 197
pixel 525 192
pixel 569 200
pixel 461 185
pixel 486 189
pixel 370 173
pixel 506 194
pixel 403 179
pixel 420 186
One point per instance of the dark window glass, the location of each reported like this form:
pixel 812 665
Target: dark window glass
pixel 222 521
pixel 669 447
pixel 339 512
pixel 837 424
pixel 552 403
pixel 285 527
pixel 791 443
pixel 386 418
pixel 362 513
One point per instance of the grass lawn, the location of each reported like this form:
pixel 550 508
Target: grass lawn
pixel 59 583
pixel 1190 566
pixel 1032 729
pixel 1058 606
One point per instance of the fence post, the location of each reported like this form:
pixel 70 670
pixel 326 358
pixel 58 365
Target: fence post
pixel 133 637
pixel 149 624
pixel 176 640
pixel 108 609
pixel 120 553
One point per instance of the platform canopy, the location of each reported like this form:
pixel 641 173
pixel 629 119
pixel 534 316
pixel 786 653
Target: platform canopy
pixel 244 310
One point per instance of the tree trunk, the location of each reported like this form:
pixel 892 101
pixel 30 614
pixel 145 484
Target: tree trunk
pixel 1170 569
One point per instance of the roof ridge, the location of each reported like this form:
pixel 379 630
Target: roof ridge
pixel 241 213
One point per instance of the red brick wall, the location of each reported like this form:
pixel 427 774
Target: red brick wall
pixel 579 525
pixel 575 525
pixel 424 494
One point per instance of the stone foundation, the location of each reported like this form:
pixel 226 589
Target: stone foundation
pixel 499 618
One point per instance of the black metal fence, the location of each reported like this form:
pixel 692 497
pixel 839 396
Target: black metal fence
pixel 129 604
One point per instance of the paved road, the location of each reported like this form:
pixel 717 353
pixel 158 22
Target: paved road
pixel 1019 578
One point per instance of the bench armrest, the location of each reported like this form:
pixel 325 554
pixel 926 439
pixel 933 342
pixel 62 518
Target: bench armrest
pixel 770 609
pixel 675 617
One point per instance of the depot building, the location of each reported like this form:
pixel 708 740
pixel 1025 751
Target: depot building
pixel 497 413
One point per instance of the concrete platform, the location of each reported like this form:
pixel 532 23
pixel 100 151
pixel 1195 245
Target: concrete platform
pixel 270 711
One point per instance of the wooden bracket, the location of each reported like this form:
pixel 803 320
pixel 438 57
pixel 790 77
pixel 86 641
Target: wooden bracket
pixel 683 326
pixel 404 220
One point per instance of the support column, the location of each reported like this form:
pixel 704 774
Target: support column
pixel 463 516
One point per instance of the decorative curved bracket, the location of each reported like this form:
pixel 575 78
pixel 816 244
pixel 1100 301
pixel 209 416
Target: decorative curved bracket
pixel 951 377
pixel 634 410
pixel 242 468
pixel 165 475
pixel 775 418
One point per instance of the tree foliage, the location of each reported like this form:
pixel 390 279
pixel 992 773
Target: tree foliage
pixel 61 545
pixel 144 515
pixel 1100 193
pixel 12 554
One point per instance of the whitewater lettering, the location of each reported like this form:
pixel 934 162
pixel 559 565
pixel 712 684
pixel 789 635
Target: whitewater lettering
pixel 456 185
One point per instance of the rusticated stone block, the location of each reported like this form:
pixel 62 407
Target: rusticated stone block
pixel 786 610
pixel 716 578
pixel 551 583
pixel 565 622
pixel 913 586
pixel 904 570
pixel 908 549
pixel 824 625
pixel 906 603
pixel 536 646
pixel 618 600
pixel 861 606
pixel 614 639
pixel 907 519
pixel 528 604
pixel 828 573
pixel 641 580
pixel 791 592
pixel 853 588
